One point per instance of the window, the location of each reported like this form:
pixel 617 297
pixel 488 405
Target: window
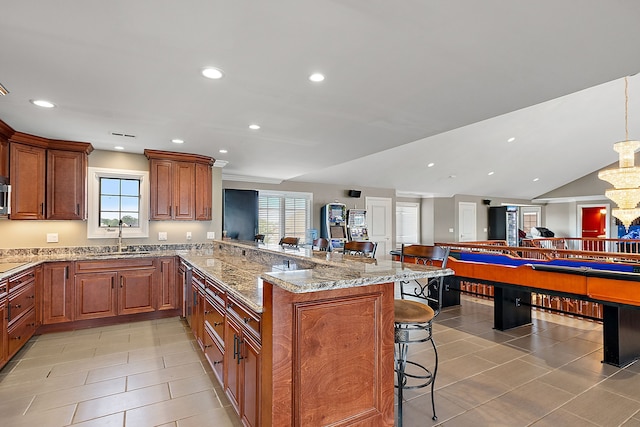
pixel 530 217
pixel 116 195
pixel 284 214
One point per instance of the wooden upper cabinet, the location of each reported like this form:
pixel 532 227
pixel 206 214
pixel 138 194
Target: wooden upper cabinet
pixel 5 133
pixel 179 184
pixel 66 184
pixel 203 192
pixel 27 174
pixel 48 178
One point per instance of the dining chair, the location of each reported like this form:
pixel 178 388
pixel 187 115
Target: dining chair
pixel 364 248
pixel 291 242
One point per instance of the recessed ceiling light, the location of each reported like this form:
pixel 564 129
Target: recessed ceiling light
pixel 212 73
pixel 177 141
pixel 536 179
pixel 452 176
pixel 118 147
pixel 42 103
pixel 223 151
pixel 491 173
pixel 316 77
pixel 430 165
pixel 511 139
pixel 254 127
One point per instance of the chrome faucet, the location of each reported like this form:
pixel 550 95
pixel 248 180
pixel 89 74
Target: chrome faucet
pixel 120 236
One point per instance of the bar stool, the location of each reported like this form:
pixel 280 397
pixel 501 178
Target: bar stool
pixel 418 305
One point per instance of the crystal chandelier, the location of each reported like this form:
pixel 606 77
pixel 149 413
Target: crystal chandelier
pixel 626 178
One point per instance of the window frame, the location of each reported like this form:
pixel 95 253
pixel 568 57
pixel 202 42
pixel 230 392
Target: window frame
pixel 94 231
pixel 283 195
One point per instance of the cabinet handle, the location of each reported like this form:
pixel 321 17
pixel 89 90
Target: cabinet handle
pixel 216 324
pixel 31 296
pixel 217 362
pixel 17 306
pixel 78 209
pixel 121 281
pixel 207 312
pixel 247 319
pixel 42 208
pixel 235 345
pixel 112 282
pixel 17 338
pixel 66 272
pixel 208 346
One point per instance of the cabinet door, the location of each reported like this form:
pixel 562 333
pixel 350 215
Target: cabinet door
pixel 27 171
pixel 95 295
pixel 250 363
pixel 20 332
pixel 4 156
pixel 215 356
pixel 66 184
pixel 203 192
pixel 57 296
pixel 136 291
pixel 161 192
pixel 184 176
pixel 232 383
pixel 167 284
pixel 3 331
pixel 197 316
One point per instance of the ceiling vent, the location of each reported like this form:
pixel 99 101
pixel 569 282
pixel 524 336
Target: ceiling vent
pixel 123 135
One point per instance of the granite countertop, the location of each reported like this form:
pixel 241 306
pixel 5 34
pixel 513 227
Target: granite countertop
pixel 241 268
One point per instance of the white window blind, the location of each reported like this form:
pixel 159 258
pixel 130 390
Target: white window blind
pixel 284 214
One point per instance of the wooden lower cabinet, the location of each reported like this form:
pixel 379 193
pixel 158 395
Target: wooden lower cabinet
pixel 214 355
pixel 20 332
pixel 136 292
pixel 243 361
pixel 96 295
pixel 167 284
pixel 3 323
pixel 57 293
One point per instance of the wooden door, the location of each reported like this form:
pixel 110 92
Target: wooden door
pixel 203 192
pixel 57 296
pixel 135 291
pixel 66 184
pixel 233 379
pixel 95 295
pixel 168 293
pixel 27 171
pixel 250 365
pixel 184 190
pixel 161 191
pixel 3 329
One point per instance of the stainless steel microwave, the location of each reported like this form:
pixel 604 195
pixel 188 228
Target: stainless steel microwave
pixel 5 197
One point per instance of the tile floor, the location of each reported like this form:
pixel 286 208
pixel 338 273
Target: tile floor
pixel 151 374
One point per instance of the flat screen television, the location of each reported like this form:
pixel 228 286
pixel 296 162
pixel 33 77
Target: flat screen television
pixel 337 232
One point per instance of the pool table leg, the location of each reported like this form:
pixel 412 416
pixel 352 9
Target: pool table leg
pixel 511 308
pixel 621 335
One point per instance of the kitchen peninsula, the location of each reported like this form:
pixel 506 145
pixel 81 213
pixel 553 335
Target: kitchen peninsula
pixel 295 337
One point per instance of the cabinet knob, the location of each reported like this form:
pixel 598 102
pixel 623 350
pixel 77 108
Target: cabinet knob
pixel 247 319
pixel 17 306
pixel 208 346
pixel 217 362
pixel 17 338
pixel 217 324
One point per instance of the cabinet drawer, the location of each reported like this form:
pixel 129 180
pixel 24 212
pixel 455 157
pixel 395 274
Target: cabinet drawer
pixel 214 320
pixel 21 301
pixel 21 331
pixel 4 288
pixel 113 265
pixel 215 356
pixel 216 293
pixel 246 317
pixel 22 279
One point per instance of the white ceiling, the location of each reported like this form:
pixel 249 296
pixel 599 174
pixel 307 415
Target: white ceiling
pixel 407 83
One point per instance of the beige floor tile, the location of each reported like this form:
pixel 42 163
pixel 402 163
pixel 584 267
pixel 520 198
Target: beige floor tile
pixel 57 417
pixel 516 373
pixel 625 383
pixel 54 360
pixel 474 391
pixel 571 381
pixel 121 402
pixel 113 420
pixel 501 353
pixel 124 369
pixel 41 386
pixel 173 373
pixel 77 394
pixel 185 386
pixel 97 362
pixel 562 418
pixel 182 358
pixel 218 417
pixel 171 410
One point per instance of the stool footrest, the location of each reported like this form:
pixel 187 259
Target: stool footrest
pixel 424 374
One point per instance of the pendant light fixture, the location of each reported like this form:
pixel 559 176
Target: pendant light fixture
pixel 626 178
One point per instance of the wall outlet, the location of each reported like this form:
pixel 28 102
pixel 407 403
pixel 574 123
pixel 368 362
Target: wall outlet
pixel 188 235
pixel 484 229
pixel 52 237
pixel 451 230
pixel 211 235
pixel 162 235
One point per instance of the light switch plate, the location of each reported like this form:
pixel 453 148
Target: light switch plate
pixel 188 235
pixel 162 235
pixel 211 235
pixel 52 237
